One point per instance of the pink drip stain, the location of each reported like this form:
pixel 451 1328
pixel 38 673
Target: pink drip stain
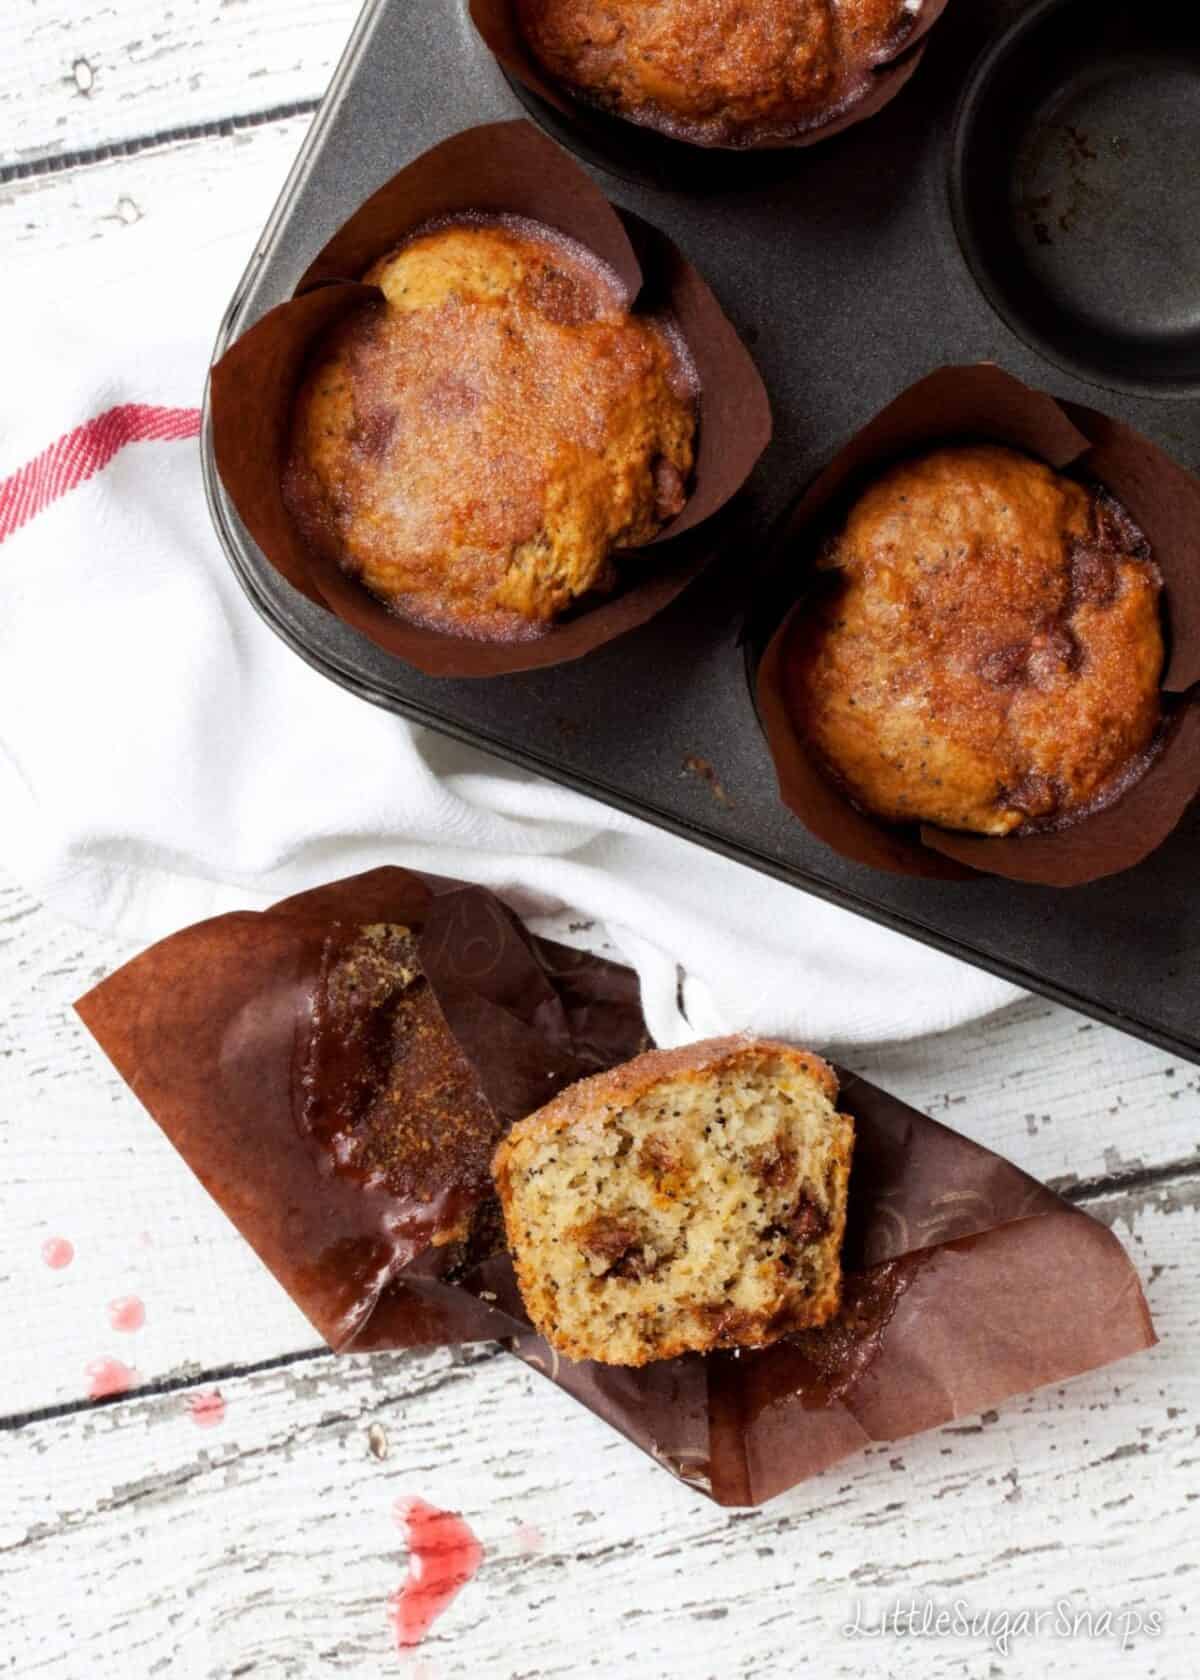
pixel 108 1376
pixel 443 1555
pixel 126 1314
pixel 530 1540
pixel 57 1252
pixel 208 1410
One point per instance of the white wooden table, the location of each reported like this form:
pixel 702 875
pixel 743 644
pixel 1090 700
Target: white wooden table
pixel 133 1543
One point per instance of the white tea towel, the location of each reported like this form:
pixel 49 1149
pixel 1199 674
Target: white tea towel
pixel 164 757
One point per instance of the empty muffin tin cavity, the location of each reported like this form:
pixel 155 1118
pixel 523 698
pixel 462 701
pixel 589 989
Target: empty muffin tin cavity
pixel 1076 192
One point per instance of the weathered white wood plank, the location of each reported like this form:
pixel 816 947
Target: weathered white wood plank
pixel 83 1161
pixel 125 212
pixel 1069 1099
pixel 82 75
pixel 136 1544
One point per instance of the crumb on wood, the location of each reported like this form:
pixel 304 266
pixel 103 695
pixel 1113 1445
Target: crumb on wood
pixel 377 1441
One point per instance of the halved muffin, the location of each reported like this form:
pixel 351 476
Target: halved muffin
pixel 688 1200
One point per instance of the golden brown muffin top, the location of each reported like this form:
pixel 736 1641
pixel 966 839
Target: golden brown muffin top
pixel 717 70
pixel 988 654
pixel 629 1081
pixel 477 445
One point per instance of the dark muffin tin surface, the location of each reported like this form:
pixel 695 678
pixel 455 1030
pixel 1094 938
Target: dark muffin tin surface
pixel 841 267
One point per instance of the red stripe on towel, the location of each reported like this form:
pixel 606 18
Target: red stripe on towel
pixel 79 454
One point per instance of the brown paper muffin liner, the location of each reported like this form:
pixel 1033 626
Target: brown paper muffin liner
pixel 965 404
pixel 966 1280
pixel 499 28
pixel 500 168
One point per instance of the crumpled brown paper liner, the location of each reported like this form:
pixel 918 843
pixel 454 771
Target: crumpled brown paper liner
pixel 961 404
pixel 207 1027
pixel 966 1280
pixel 498 168
pixel 499 28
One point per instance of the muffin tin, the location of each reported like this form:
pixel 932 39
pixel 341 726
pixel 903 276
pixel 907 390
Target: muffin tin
pixel 842 266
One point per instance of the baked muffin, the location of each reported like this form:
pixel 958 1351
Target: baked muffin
pixel 689 1200
pixel 717 72
pixel 987 654
pixel 478 445
pixel 385 1088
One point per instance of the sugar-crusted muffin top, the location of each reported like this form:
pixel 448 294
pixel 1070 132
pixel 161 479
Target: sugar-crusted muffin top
pixel 477 445
pixel 985 650
pixel 717 71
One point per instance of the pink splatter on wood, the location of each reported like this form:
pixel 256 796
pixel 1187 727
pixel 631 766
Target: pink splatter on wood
pixel 108 1376
pixel 208 1410
pixel 126 1314
pixel 530 1540
pixel 57 1252
pixel 443 1555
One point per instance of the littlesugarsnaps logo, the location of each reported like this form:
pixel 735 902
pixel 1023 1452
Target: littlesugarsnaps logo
pixel 926 1618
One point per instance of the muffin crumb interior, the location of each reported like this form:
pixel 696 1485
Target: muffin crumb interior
pixel 706 1212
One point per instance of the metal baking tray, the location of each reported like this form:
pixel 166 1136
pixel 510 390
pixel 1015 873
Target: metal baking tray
pixel 843 267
